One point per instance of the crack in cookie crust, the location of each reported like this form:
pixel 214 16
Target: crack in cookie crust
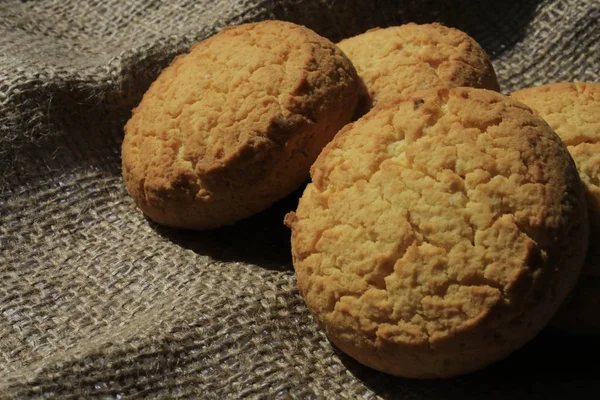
pixel 434 223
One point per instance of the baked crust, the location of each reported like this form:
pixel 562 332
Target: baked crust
pixel 401 59
pixel 234 125
pixel 440 232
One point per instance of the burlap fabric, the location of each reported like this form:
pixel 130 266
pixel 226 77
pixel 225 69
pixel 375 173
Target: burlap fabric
pixel 97 301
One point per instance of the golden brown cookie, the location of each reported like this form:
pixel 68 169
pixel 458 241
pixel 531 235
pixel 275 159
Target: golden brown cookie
pixel 440 233
pixel 402 59
pixel 234 125
pixel 573 111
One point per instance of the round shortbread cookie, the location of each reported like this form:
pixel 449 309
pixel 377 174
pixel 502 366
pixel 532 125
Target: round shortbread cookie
pixel 573 111
pixel 401 59
pixel 234 125
pixel 440 233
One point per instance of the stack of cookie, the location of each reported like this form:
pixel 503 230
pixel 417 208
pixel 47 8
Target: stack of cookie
pixel 443 228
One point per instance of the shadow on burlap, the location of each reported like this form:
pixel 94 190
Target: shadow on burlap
pixel 96 300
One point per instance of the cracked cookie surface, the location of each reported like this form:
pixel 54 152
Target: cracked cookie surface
pixel 401 59
pixel 573 111
pixel 440 232
pixel 234 125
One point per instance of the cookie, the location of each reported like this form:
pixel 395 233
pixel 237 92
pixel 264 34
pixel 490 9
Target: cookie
pixel 440 232
pixel 573 111
pixel 401 59
pixel 234 125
